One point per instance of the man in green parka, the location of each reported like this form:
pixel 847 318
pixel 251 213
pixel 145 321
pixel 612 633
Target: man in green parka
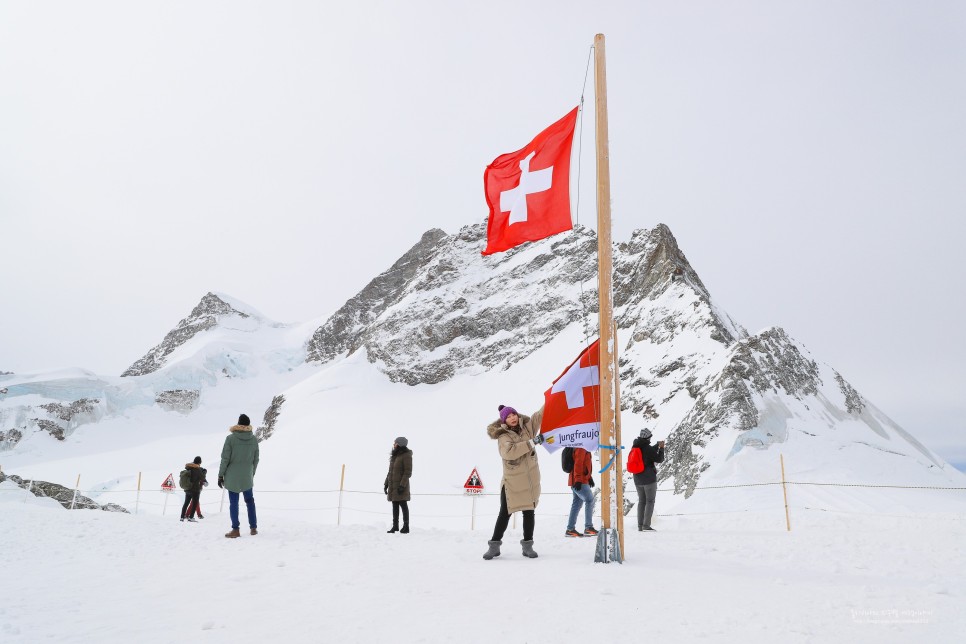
pixel 239 459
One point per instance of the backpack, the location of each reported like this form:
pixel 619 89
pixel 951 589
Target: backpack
pixel 567 460
pixel 635 461
pixel 184 479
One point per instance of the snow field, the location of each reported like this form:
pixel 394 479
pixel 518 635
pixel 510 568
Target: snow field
pixel 109 577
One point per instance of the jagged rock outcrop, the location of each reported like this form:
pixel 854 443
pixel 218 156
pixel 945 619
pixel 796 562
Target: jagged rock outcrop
pixel 68 412
pixel 180 400
pixel 344 331
pixel 853 400
pixel 423 326
pixel 203 317
pixel 63 495
pixel 443 308
pixel 769 362
pixel 267 428
pixel 10 438
pixel 52 428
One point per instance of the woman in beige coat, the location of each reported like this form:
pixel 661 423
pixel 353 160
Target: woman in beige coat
pixel 517 437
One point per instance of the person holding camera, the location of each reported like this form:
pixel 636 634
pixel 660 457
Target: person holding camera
pixel 396 485
pixel 646 481
pixel 517 437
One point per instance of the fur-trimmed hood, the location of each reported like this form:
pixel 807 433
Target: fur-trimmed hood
pixel 240 428
pixel 192 466
pixel 497 428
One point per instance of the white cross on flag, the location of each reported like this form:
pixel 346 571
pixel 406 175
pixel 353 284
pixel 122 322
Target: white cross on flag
pixel 528 191
pixel 571 410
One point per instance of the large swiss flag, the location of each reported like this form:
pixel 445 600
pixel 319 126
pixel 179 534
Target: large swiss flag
pixel 571 409
pixel 528 191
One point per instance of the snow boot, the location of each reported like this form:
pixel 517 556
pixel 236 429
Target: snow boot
pixel 405 529
pixel 494 550
pixel 528 549
pixel 254 531
pixel 192 519
pixel 234 534
pixel 395 528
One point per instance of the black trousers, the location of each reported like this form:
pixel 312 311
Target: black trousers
pixel 189 496
pixel 503 520
pixel 395 512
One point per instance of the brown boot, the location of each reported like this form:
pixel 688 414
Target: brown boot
pixel 234 534
pixel 254 531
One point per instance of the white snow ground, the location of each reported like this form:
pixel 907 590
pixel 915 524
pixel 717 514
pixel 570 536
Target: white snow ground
pixel 89 576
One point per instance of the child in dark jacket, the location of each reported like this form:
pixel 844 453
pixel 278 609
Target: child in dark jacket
pixel 192 496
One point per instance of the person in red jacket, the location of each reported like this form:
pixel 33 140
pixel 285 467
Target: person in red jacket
pixel 581 484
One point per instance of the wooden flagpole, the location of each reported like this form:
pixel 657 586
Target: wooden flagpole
pixel 604 279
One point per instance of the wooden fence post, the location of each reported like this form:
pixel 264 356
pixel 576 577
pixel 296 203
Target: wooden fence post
pixel 137 500
pixel 338 520
pixel 788 523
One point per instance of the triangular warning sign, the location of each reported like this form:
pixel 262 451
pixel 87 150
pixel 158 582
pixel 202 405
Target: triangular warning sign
pixel 473 482
pixel 168 482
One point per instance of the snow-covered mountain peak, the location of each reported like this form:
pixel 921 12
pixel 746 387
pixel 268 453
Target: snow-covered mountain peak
pixel 444 309
pixel 214 310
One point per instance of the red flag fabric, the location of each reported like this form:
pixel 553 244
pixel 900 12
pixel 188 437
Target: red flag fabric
pixel 571 410
pixel 528 191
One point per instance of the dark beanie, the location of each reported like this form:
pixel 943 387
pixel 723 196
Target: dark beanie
pixel 197 460
pixel 402 441
pixel 243 420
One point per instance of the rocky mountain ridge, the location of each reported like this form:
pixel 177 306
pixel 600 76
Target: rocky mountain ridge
pixel 443 311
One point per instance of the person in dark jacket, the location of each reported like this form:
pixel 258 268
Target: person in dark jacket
pixel 192 495
pixel 396 485
pixel 646 481
pixel 239 460
pixel 582 485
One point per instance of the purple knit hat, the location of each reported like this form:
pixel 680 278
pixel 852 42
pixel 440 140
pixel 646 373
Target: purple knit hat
pixel 506 411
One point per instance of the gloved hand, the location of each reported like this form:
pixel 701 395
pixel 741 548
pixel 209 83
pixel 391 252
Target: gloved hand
pixel 401 489
pixel 221 481
pixel 538 439
pixel 591 484
pixel 385 489
pixel 578 485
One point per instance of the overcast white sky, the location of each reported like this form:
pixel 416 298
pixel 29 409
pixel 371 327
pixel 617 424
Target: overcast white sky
pixel 809 157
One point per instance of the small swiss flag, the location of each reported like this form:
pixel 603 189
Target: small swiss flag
pixel 571 409
pixel 528 191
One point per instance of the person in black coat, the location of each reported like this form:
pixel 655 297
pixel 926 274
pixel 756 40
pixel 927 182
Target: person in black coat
pixel 396 485
pixel 646 481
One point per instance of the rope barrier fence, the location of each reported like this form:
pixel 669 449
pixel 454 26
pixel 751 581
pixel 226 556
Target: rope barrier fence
pixel 450 508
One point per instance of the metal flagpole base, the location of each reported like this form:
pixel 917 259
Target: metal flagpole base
pixel 608 547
